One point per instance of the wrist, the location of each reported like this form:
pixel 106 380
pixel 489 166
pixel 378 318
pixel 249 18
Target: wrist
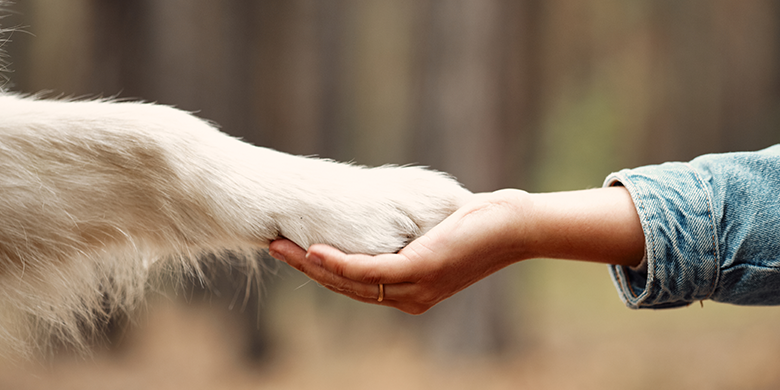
pixel 598 225
pixel 518 232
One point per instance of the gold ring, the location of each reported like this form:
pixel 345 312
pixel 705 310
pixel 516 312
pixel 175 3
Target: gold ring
pixel 381 293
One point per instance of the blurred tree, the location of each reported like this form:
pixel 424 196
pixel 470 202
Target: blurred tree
pixel 542 95
pixel 475 119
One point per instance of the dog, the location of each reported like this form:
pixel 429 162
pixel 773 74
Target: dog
pixel 100 198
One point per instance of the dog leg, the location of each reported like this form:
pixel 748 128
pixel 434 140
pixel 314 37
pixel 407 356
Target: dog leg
pixel 94 195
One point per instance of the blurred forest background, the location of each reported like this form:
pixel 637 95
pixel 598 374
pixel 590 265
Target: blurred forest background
pixel 538 95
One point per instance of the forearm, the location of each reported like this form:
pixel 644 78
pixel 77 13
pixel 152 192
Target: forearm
pixel 599 225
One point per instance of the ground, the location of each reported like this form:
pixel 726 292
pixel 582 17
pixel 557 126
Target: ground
pixel 578 336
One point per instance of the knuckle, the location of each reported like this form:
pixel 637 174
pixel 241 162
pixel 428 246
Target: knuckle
pixel 303 268
pixel 337 289
pixel 427 298
pixel 337 268
pixel 371 277
pixel 339 285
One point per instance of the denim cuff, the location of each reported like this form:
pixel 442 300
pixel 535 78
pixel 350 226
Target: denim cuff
pixel 681 244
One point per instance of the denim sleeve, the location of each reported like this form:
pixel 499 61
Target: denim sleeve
pixel 712 231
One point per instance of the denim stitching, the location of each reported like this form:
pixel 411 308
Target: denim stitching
pixel 710 214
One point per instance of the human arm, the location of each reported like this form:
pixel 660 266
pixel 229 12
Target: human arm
pixel 487 234
pixel 710 231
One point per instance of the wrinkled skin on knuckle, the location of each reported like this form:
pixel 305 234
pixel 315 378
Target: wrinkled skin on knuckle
pixel 336 286
pixel 340 286
pixel 366 295
pixel 340 290
pixel 372 277
pixel 301 267
pixel 338 268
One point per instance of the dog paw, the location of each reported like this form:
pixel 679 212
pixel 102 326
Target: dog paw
pixel 372 210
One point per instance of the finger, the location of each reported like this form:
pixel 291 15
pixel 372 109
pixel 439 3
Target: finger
pixel 410 307
pixel 385 268
pixel 292 254
pixel 402 296
pixel 372 297
pixel 362 268
pixel 407 306
pixel 283 249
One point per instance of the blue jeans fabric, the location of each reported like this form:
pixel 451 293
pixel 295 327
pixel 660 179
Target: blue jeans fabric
pixel 712 231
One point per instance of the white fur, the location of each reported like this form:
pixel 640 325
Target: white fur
pixel 98 196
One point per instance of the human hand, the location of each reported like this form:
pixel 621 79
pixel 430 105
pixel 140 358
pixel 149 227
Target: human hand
pixel 488 233
pixel 480 238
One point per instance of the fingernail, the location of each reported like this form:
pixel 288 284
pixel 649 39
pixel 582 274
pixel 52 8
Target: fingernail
pixel 276 255
pixel 314 258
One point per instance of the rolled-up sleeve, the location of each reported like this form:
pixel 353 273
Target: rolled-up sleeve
pixel 712 231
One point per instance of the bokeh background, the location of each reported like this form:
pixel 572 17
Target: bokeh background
pixel 539 95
